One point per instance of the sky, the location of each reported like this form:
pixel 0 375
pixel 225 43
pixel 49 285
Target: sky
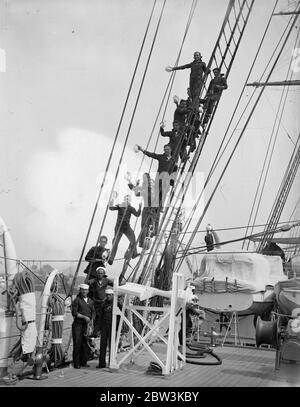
pixel 68 69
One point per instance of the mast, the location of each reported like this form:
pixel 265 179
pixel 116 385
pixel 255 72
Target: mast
pixel 282 196
pixel 286 13
pixel 295 82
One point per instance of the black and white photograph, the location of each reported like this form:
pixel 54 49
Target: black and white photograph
pixel 149 198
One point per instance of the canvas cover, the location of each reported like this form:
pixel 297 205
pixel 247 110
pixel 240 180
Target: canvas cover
pixel 252 270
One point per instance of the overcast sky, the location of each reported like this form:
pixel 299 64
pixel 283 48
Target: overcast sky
pixel 68 69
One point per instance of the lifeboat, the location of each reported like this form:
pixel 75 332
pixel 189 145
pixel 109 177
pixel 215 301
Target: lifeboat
pixel 238 282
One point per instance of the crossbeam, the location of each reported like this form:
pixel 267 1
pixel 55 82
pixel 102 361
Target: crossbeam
pixel 277 83
pixel 286 13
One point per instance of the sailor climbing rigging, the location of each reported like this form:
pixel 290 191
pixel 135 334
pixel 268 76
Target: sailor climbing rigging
pixel 150 213
pixel 214 92
pixel 125 210
pixel 198 70
pixel 165 172
pixel 181 112
pixel 177 139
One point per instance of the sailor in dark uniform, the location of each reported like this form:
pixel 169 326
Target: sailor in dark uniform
pixel 83 312
pixel 125 210
pixel 96 257
pixel 97 294
pixel 198 71
pixel 150 213
pixel 106 325
pixel 214 93
pixel 166 172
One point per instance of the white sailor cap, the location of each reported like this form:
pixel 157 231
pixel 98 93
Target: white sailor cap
pixel 84 286
pixel 109 291
pixel 101 268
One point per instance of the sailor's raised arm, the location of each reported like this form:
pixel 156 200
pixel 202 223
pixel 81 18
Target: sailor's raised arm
pixel 139 148
pixel 175 68
pixel 136 212
pixel 152 155
pixel 111 205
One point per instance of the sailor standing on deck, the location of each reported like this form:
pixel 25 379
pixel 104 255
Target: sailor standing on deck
pixel 97 294
pixel 83 312
pixel 106 324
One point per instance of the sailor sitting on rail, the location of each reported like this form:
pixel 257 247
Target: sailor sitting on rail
pixel 150 213
pixel 96 257
pixel 125 210
pixel 165 172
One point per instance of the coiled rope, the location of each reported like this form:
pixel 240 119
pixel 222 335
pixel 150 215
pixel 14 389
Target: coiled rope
pixel 56 352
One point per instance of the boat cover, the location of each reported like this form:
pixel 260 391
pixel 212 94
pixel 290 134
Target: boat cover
pixel 250 272
pixel 295 262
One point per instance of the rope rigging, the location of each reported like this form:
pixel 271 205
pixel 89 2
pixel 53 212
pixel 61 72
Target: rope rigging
pixel 195 158
pixel 169 86
pixel 274 136
pixel 216 161
pixel 240 137
pixel 218 155
pixel 282 195
pixel 111 154
pixel 170 82
pixel 181 174
pixel 203 248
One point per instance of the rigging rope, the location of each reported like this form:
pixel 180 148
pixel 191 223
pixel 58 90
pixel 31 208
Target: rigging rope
pixel 168 87
pixel 173 74
pixel 131 121
pixel 198 151
pixel 110 157
pixel 204 248
pixel 217 160
pixel 196 158
pixel 281 105
pixel 240 137
pixel 282 193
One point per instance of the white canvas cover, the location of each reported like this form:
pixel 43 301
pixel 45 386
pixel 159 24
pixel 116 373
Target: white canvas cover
pixel 252 270
pixel 276 269
pixel 295 262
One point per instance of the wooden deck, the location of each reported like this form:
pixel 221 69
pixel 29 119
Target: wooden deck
pixel 241 367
